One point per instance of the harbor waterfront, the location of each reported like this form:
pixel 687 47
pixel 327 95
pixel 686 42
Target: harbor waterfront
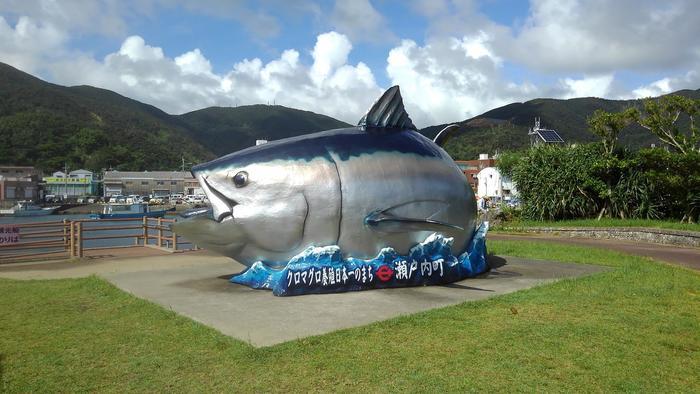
pixel 51 235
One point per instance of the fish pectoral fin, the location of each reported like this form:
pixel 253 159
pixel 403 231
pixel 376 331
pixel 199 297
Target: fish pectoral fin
pixel 387 223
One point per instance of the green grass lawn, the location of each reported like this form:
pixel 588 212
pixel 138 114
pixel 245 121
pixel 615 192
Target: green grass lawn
pixel 604 222
pixel 633 328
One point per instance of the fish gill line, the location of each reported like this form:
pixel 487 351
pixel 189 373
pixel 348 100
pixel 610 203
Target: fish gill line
pixel 340 193
pixel 306 216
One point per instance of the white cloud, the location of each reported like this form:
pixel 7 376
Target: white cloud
pixel 193 62
pixel 601 36
pixel 135 48
pixel 594 86
pixel 691 79
pixel 451 79
pixel 186 82
pixel 25 44
pixel 360 21
pixel 329 86
pixel 331 51
pixel 656 88
pixel 460 70
pixel 92 16
pixel 255 18
pixel 430 8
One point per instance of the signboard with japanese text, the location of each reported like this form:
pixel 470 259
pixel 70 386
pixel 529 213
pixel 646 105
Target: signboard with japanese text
pixel 9 234
pixel 69 181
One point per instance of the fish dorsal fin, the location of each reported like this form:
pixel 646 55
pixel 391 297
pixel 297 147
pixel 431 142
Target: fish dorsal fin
pixel 387 114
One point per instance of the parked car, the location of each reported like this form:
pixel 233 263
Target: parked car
pixel 176 198
pixel 134 199
pixel 194 199
pixel 87 199
pixel 117 198
pixel 52 198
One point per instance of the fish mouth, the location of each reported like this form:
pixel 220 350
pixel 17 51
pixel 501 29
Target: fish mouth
pixel 199 228
pixel 222 207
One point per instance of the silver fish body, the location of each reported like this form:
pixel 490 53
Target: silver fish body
pixel 363 188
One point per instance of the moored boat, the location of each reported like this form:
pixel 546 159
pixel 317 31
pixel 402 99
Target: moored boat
pixel 28 208
pixel 128 211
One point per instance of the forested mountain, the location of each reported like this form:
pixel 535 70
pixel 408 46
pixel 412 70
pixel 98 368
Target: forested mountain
pixel 505 128
pixel 225 130
pixel 48 125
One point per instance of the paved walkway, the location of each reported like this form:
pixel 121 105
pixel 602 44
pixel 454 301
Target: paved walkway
pixel 116 261
pixel 90 254
pixel 687 257
pixel 196 285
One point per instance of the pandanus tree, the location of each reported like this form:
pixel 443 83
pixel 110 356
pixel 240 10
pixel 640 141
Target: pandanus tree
pixel 661 117
pixel 672 120
pixel 608 127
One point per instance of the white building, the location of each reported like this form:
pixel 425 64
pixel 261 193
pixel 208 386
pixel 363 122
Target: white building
pixel 491 184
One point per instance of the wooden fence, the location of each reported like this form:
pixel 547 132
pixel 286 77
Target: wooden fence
pixel 72 238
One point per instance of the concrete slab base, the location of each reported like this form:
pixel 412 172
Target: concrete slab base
pixel 201 291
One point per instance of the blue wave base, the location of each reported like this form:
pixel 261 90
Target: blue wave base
pixel 324 270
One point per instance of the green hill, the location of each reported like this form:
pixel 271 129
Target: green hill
pixel 48 125
pixel 225 130
pixel 505 128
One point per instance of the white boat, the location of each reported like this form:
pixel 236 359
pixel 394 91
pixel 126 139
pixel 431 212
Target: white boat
pixel 28 208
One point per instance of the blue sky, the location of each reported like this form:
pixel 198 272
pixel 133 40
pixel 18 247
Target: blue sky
pixel 452 59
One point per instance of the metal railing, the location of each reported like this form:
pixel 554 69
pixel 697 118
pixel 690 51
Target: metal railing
pixel 73 238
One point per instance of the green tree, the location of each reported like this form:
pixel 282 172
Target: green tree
pixel 661 119
pixel 608 126
pixel 557 182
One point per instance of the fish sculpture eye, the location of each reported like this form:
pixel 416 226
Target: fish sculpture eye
pixel 240 179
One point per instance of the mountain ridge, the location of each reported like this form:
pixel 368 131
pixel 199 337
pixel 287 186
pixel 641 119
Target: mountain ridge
pixel 212 124
pixel 506 127
pixel 48 126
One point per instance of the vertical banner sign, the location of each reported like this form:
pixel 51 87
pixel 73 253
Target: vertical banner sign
pixel 9 234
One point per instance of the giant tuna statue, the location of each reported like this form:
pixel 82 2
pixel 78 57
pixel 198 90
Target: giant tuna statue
pixel 365 201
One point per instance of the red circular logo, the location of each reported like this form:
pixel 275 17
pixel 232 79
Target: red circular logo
pixel 384 273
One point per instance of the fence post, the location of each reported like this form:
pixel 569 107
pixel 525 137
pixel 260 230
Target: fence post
pixel 174 239
pixel 145 231
pixel 65 234
pixel 72 239
pixel 160 232
pixel 80 239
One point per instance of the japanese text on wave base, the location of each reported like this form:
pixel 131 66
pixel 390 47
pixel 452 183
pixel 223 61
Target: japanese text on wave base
pixel 364 274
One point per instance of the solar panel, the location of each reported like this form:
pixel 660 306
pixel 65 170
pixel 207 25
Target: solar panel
pixel 549 136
